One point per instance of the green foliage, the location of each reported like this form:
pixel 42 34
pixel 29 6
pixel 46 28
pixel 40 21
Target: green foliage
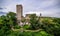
pixel 17 27
pixel 35 24
pixel 50 26
pixel 26 26
pixel 11 17
pixel 6 23
pixel 56 20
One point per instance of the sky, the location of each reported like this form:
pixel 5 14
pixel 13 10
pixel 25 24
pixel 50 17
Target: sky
pixel 49 8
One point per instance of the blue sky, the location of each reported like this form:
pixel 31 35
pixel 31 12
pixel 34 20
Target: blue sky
pixel 46 7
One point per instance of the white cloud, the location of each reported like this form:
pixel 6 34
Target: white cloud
pixel 46 7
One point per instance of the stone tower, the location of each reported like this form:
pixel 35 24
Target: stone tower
pixel 19 10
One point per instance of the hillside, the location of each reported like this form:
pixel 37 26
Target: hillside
pixel 42 26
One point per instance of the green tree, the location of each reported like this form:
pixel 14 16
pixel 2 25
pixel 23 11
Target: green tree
pixel 7 22
pixel 34 21
pixel 56 20
pixel 51 27
pixel 11 17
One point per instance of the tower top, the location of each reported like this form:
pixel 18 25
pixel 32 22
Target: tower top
pixel 19 5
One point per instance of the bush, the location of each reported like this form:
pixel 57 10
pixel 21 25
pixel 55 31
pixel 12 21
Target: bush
pixel 17 27
pixel 52 29
pixel 26 26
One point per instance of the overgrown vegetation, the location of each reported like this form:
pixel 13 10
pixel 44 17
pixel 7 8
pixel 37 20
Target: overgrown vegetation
pixel 49 26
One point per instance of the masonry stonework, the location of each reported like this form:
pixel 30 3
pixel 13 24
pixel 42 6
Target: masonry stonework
pixel 19 10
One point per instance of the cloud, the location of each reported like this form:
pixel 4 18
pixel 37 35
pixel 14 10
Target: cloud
pixel 1 8
pixel 2 13
pixel 46 7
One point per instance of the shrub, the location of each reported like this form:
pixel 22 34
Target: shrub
pixel 26 26
pixel 17 27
